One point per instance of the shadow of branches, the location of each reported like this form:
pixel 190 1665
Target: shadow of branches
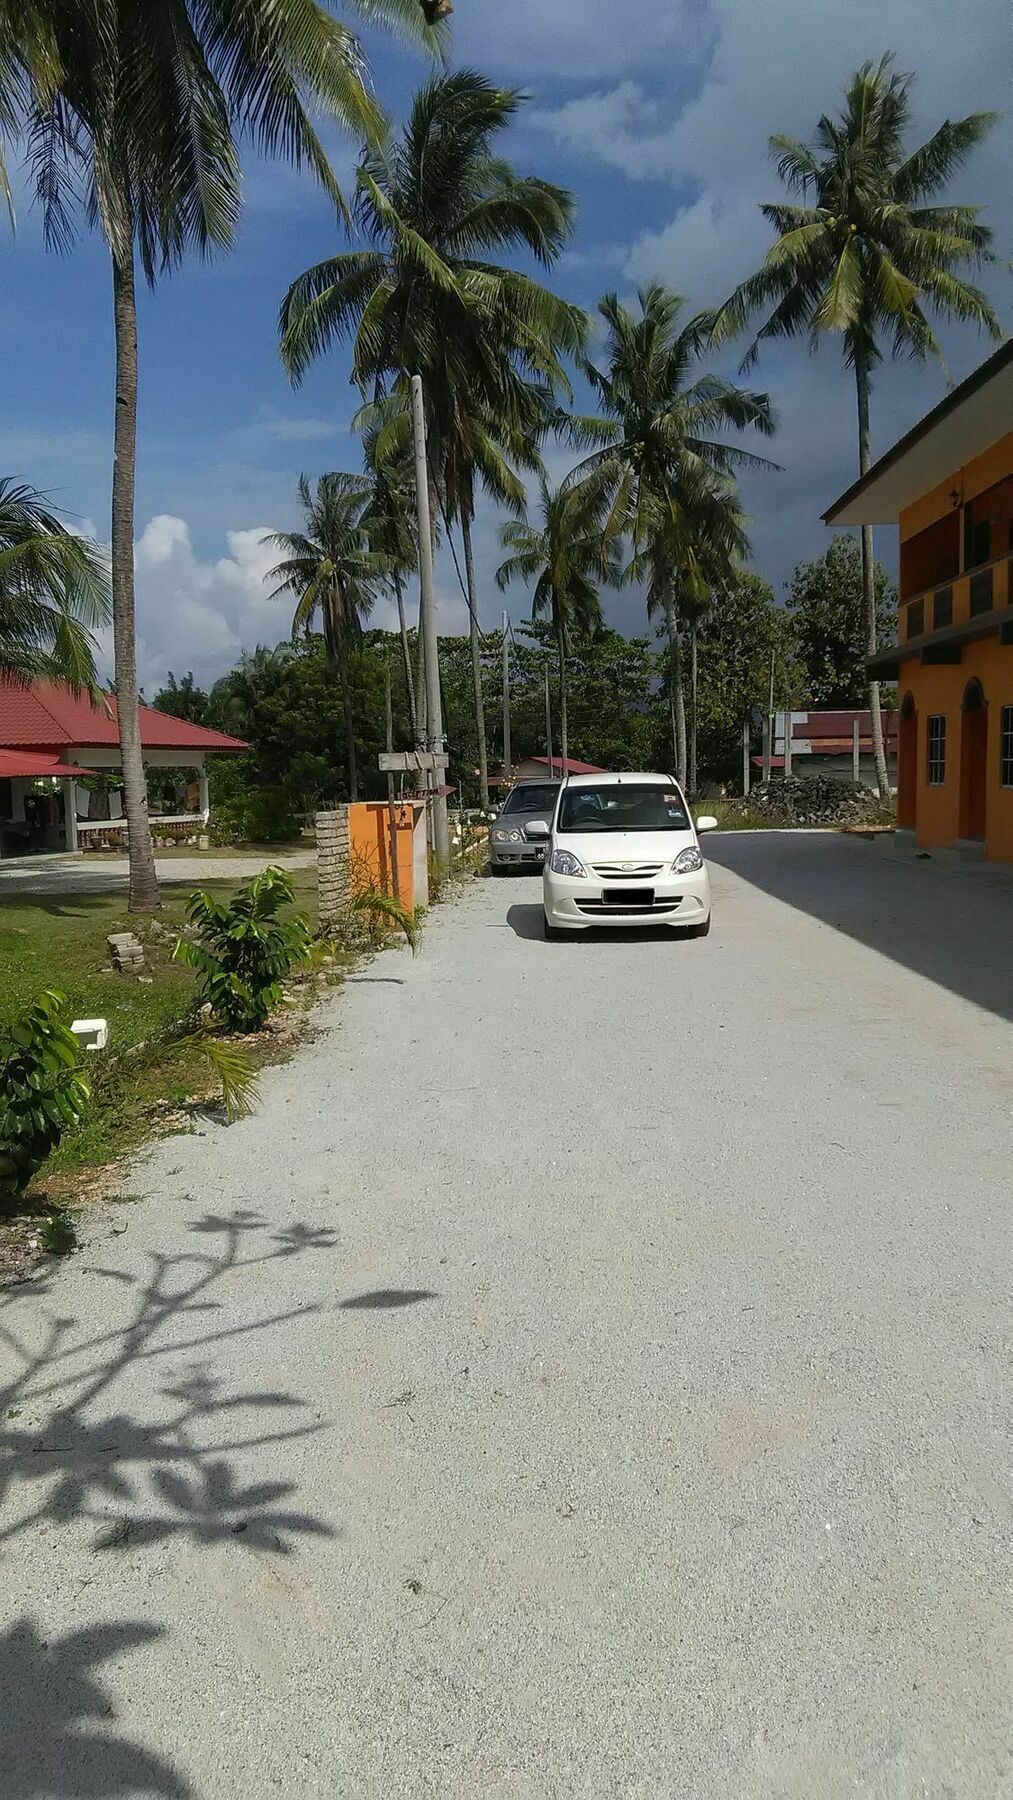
pixel 73 1452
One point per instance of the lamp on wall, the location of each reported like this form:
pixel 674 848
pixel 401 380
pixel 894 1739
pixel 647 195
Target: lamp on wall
pixel 954 497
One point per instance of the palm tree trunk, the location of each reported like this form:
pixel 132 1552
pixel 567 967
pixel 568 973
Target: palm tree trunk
pixel 692 771
pixel 409 679
pixel 678 692
pixel 476 658
pixel 346 707
pixel 869 570
pixel 143 880
pixel 564 727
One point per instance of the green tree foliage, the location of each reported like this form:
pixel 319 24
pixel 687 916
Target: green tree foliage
pixel 183 699
pixel 243 949
pixel 737 638
pixel 827 610
pixel 860 253
pixel 42 1092
pixel 54 591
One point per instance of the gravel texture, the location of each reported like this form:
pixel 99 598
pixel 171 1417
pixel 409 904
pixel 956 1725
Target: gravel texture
pixel 581 1380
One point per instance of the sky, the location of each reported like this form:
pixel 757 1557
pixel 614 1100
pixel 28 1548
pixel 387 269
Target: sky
pixel 656 114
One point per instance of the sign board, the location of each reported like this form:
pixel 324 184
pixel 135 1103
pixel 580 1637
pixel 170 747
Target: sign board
pixel 410 762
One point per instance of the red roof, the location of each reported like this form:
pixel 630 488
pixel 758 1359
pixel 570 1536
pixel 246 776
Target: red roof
pixel 568 767
pixel 37 762
pixel 48 714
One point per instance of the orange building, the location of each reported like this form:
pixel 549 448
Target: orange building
pixel 949 486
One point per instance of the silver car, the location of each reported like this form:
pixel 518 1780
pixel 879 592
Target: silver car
pixel 520 831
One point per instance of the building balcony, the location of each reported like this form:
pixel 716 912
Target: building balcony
pixel 935 623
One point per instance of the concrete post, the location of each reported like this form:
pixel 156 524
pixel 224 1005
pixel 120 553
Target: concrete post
pixel 855 749
pixel 745 759
pixel 69 787
pixel 203 794
pixel 333 865
pixel 786 716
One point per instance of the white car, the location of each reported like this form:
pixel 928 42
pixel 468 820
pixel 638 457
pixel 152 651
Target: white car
pixel 624 851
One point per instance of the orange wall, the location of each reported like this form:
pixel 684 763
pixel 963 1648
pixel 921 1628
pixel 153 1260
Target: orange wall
pixel 973 479
pixel 940 689
pixel 369 848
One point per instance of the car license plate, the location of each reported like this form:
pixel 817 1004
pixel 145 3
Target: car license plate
pixel 628 896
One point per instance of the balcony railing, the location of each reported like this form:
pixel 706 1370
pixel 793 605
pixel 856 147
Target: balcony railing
pixel 969 596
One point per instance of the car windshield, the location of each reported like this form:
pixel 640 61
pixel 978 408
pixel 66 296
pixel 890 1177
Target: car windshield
pixel 623 808
pixel 532 800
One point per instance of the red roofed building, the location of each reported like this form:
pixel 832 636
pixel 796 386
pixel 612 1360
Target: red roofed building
pixel 49 733
pixel 832 743
pixel 534 767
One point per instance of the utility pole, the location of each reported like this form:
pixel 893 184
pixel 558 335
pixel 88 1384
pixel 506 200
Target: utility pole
pixel 507 748
pixel 787 741
pixel 548 720
pixel 427 611
pixel 745 759
pixel 395 888
pixel 768 736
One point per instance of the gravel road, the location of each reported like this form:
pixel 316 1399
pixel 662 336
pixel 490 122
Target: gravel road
pixel 581 1381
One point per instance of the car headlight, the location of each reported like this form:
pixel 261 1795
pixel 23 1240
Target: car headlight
pixel 562 863
pixel 687 861
pixel 507 837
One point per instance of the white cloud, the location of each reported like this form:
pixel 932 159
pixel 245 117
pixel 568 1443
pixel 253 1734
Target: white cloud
pixel 621 126
pixel 202 613
pixel 574 40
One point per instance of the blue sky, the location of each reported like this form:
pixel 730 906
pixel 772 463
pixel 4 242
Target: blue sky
pixel 656 114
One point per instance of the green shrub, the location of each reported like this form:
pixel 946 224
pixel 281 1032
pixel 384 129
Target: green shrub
pixel 41 1089
pixel 242 950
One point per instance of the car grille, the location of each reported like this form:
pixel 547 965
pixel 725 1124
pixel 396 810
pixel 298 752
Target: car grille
pixel 629 909
pixel 627 871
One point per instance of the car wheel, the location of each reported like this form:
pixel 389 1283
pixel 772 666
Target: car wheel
pixel 700 930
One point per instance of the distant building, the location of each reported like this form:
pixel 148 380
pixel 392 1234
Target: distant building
pixel 949 486
pixel 535 768
pixel 823 743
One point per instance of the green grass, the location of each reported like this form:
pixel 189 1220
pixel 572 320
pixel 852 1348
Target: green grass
pixel 60 942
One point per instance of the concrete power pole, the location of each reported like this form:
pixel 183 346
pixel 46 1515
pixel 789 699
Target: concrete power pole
pixel 427 609
pixel 548 721
pixel 507 748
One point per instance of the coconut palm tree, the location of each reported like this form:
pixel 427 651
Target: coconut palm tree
pixel 864 255
pixel 425 298
pixel 390 519
pixel 140 107
pixel 671 480
pixel 332 569
pixel 566 555
pixel 54 591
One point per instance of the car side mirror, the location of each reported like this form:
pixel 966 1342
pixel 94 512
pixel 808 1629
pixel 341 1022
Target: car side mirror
pixel 706 823
pixel 537 828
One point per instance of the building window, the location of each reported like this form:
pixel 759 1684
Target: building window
pixel 981 592
pixel 937 749
pixel 942 608
pixel 1006 747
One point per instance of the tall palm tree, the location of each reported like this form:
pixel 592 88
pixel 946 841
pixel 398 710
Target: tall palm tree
pixel 567 555
pixel 332 568
pixel 54 591
pixel 868 257
pixel 390 519
pixel 424 296
pixel 671 481
pixel 140 107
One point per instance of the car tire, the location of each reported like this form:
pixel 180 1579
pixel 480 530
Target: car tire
pixel 703 930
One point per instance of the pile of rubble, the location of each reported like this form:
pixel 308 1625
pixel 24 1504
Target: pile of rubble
pixel 815 800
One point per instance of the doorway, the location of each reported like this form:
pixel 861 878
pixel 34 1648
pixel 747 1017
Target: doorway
pixel 973 762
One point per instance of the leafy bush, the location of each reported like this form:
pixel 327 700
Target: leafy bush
pixel 242 950
pixel 42 1092
pixel 242 812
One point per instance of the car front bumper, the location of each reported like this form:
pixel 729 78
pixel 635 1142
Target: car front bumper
pixel 576 902
pixel 517 856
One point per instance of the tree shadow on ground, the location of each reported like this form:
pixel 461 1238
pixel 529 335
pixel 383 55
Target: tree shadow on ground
pixel 137 1480
pixel 950 925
